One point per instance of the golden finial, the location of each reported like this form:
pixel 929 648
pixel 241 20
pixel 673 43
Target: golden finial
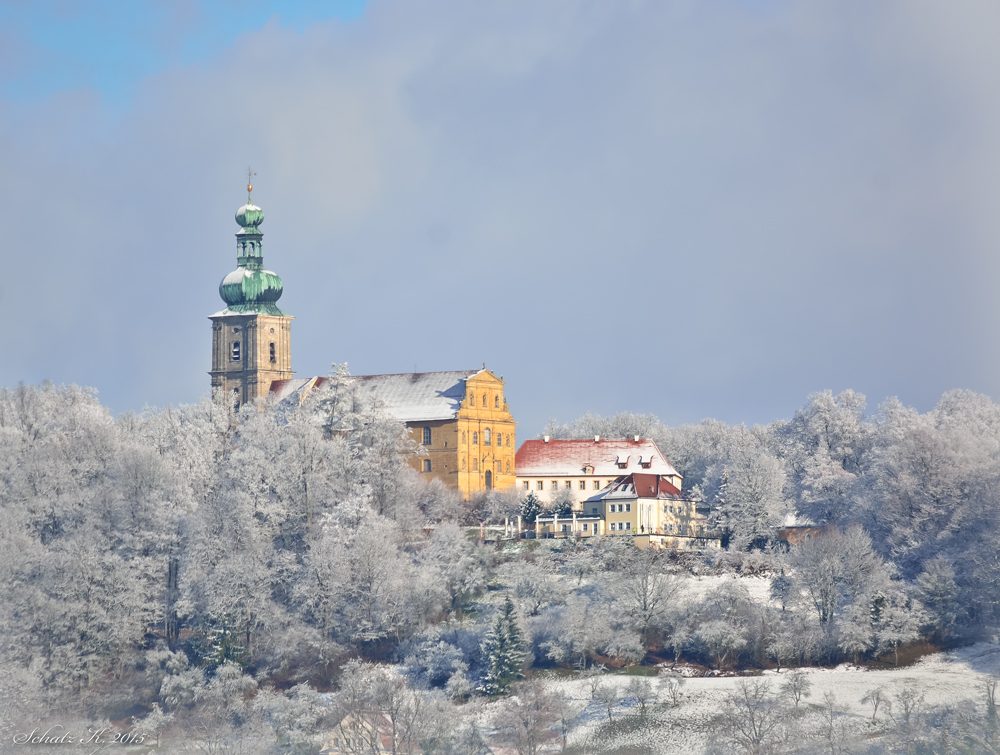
pixel 250 175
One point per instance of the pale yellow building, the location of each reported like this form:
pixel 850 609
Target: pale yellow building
pixel 646 507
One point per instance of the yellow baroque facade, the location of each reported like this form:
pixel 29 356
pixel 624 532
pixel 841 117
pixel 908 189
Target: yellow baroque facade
pixel 486 434
pixel 460 421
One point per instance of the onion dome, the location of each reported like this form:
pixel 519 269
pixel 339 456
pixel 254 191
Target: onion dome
pixel 249 216
pixel 250 289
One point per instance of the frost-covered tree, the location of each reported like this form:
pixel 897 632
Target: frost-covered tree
pixel 503 652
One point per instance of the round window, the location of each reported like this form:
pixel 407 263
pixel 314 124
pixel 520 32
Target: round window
pixel 272 331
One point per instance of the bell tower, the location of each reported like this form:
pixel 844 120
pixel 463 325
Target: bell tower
pixel 251 337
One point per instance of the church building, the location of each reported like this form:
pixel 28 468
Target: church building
pixel 459 420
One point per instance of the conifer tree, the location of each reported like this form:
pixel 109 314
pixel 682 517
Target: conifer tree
pixel 504 651
pixel 530 508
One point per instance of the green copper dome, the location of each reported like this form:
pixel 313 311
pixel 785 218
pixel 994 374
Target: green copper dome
pixel 249 217
pixel 250 289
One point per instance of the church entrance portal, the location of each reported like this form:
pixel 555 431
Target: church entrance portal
pixel 489 480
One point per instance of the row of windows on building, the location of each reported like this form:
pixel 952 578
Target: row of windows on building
pixel 496 400
pixel 235 355
pixel 499 465
pixel 540 484
pixel 502 440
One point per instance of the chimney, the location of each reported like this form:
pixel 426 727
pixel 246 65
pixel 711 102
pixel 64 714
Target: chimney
pixel 545 438
pixel 636 438
pixel 597 439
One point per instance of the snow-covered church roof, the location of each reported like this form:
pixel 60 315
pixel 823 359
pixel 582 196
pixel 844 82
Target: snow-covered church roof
pixel 409 397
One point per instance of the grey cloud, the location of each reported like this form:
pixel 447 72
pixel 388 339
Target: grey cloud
pixel 673 208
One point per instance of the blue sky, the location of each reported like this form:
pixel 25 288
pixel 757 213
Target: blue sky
pixel 665 206
pixel 112 45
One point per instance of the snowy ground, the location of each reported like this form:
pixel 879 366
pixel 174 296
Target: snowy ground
pixel 944 678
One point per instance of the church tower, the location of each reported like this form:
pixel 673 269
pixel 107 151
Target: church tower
pixel 251 337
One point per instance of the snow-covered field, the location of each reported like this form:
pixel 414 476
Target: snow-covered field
pixel 944 678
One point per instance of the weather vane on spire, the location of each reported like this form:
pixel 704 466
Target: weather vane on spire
pixel 250 175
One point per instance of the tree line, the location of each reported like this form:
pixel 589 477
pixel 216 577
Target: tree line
pixel 234 574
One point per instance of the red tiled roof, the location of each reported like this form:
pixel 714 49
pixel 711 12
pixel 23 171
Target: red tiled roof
pixel 562 457
pixel 640 485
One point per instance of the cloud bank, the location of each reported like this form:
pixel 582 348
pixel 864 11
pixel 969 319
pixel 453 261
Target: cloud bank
pixel 664 207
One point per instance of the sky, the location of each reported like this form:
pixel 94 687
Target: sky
pixel 671 207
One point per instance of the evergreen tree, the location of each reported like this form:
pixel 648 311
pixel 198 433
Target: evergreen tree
pixel 504 651
pixel 530 508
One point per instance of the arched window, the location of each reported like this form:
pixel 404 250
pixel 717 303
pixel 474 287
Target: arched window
pixel 427 465
pixel 496 402
pixel 508 468
pixel 475 465
pixel 484 401
pixel 508 441
pixel 486 437
pixel 475 439
pixel 427 438
pixel 472 399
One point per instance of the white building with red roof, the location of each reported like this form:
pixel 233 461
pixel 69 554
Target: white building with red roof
pixel 553 467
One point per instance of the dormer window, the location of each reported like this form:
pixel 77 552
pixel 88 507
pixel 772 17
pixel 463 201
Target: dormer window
pixel 234 353
pixel 622 462
pixel 588 469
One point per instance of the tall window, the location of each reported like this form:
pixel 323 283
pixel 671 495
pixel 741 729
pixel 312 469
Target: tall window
pixel 508 441
pixel 475 465
pixel 475 439
pixel 555 484
pixel 540 483
pixel 526 485
pixel 427 438
pixel 499 466
pixel 496 402
pixel 235 353
pixel 597 484
pixel 274 357
pixel 463 463
pixel 486 437
pixel 508 468
pixel 583 484
pixel 463 437
pixel 427 465
pixel 472 399
pixel 484 401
